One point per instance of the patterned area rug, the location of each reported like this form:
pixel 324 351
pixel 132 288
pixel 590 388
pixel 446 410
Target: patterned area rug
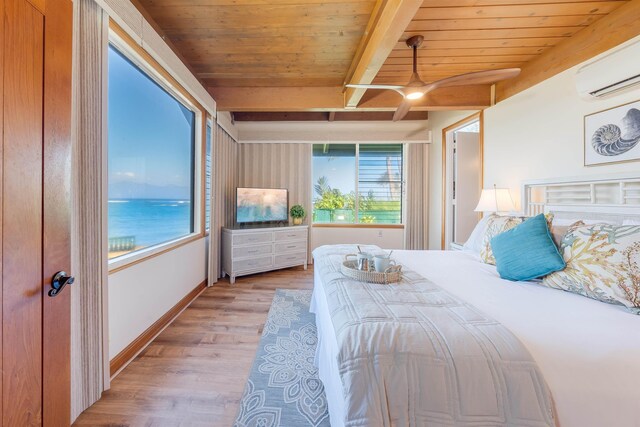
pixel 283 387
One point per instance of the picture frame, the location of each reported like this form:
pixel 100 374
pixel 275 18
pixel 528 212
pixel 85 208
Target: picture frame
pixel 612 135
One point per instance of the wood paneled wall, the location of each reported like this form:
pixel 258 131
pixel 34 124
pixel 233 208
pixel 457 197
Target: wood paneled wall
pixel 278 166
pixel 225 174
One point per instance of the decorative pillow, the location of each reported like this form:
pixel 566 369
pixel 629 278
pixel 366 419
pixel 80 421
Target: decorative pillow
pixel 526 251
pixel 496 225
pixel 603 263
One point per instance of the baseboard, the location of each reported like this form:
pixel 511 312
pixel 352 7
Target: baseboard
pixel 123 358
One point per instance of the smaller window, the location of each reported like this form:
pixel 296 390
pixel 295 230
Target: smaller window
pixel 334 183
pixel 357 183
pixel 380 184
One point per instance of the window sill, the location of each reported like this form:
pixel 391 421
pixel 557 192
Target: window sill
pixel 133 258
pixel 331 225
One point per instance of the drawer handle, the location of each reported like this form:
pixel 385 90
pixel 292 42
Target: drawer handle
pixel 291 235
pixel 291 246
pixel 292 257
pixel 253 251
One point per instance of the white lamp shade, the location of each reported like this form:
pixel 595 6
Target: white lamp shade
pixel 495 200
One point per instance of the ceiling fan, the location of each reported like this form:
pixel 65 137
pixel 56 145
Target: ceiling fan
pixel 416 88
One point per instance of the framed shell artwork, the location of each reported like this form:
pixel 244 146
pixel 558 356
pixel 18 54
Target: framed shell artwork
pixel 613 135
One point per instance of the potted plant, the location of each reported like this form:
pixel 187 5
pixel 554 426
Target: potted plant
pixel 297 213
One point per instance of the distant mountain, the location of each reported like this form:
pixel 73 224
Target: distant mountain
pixel 135 190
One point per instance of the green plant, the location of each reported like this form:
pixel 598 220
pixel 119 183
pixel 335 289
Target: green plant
pixel 367 219
pixel 330 199
pixel 297 211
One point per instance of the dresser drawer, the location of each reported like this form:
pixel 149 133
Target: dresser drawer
pixel 252 238
pixel 282 236
pixel 291 247
pixel 288 259
pixel 252 264
pixel 251 251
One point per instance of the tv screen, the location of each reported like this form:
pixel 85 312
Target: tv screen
pixel 261 205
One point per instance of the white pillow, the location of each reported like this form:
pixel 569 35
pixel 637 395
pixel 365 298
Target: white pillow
pixel 474 242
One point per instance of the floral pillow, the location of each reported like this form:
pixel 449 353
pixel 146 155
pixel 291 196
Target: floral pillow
pixel 603 263
pixel 496 225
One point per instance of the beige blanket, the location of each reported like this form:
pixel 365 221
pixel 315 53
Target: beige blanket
pixel 412 354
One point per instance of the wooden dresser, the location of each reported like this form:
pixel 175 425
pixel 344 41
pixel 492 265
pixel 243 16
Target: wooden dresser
pixel 254 250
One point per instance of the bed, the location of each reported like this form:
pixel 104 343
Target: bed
pixel 587 352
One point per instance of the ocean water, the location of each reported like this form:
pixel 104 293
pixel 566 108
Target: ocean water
pixel 150 221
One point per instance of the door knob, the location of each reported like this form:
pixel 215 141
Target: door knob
pixel 59 281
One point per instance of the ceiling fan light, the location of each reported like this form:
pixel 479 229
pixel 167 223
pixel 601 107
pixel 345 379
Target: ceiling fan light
pixel 415 95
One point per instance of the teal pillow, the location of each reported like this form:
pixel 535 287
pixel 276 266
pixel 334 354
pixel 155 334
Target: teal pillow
pixel 526 251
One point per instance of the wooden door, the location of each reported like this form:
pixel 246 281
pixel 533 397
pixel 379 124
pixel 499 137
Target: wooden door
pixel 36 111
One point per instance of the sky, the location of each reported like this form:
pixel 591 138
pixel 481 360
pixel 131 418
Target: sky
pixel 150 137
pixel 340 172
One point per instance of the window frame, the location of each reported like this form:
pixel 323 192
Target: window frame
pixel 357 207
pixel 139 57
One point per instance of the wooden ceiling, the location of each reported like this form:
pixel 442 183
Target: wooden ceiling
pixel 296 55
pixel 473 35
pixel 265 43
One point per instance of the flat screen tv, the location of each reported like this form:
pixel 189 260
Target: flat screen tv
pixel 262 205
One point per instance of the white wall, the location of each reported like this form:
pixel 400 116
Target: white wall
pixel 386 238
pixel 141 294
pixel 328 132
pixel 438 120
pixel 538 134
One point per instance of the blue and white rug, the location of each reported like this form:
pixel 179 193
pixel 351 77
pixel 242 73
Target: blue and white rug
pixel 283 388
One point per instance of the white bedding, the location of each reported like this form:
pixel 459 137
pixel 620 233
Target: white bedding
pixel 588 351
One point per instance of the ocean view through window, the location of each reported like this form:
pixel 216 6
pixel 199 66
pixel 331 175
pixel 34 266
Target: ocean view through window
pixel 357 183
pixel 151 138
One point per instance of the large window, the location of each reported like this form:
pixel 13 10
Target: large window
pixel 357 183
pixel 151 146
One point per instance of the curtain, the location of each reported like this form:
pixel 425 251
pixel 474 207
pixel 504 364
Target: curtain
pixel 225 174
pixel 88 218
pixel 278 166
pixel 417 199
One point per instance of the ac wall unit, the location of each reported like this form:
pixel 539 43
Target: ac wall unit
pixel 611 73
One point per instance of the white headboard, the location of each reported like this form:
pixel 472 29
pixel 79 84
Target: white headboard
pixel 606 197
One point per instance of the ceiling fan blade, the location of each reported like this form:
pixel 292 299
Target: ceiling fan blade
pixel 402 110
pixel 477 78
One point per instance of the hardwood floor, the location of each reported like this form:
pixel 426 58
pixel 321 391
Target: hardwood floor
pixel 194 372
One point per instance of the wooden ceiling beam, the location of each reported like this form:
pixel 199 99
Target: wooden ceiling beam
pixel 293 99
pixel 323 116
pixel 447 98
pixel 388 24
pixel 606 33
